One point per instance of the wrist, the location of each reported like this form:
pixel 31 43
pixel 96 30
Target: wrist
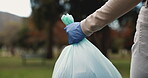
pixel 85 30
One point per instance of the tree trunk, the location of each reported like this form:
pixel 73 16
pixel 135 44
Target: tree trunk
pixel 12 50
pixel 105 42
pixel 49 41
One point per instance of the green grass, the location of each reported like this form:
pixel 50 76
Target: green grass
pixel 12 67
pixel 122 63
pixel 123 66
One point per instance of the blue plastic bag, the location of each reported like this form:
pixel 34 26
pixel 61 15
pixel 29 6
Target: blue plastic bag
pixel 83 60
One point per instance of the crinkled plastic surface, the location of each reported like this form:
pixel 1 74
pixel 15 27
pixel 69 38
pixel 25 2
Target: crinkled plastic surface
pixel 84 60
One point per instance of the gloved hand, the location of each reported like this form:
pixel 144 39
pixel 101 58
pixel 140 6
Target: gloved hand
pixel 74 32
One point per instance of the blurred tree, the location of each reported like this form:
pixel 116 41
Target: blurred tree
pixel 10 35
pixel 128 27
pixel 10 25
pixel 45 13
pixel 125 34
pixel 80 9
pixel 22 36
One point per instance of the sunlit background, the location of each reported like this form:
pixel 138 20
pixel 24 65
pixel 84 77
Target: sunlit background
pixel 21 8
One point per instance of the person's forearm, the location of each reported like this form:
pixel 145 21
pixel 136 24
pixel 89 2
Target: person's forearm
pixel 106 14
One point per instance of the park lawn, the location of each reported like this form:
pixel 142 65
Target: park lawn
pixel 123 66
pixel 11 67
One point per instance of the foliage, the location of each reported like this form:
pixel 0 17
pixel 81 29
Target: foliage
pixel 45 14
pixel 22 37
pixel 44 11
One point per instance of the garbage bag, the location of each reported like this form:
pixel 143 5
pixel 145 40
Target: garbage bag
pixel 83 60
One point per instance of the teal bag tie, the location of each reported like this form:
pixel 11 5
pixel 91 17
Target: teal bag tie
pixel 67 19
